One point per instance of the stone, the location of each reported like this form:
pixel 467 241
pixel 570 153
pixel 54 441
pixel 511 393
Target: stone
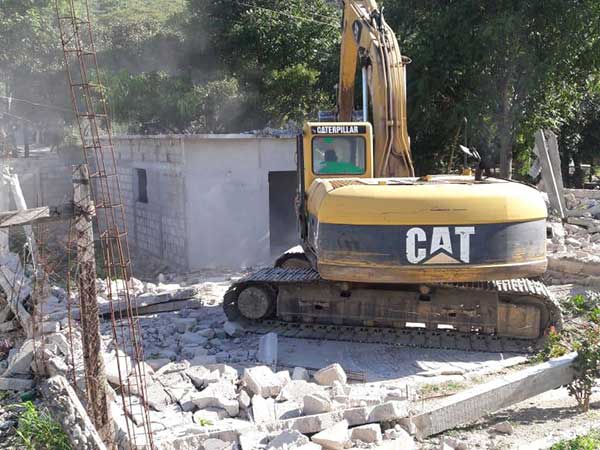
pixel 218 395
pixel 262 381
pixel 217 444
pixel 315 404
pixel 288 440
pixel 189 338
pixel 329 374
pixel 208 333
pixel 66 408
pixel 504 428
pixel 455 444
pixel 202 360
pixel 173 367
pixel 263 409
pixel 284 376
pixel 333 438
pixel 205 417
pixel 309 446
pixel 157 397
pixel 15 384
pixel 399 439
pixel 267 349
pixel 20 361
pixel 251 440
pixel 389 411
pixel 201 376
pixel 370 433
pixel 183 324
pixel 225 371
pixel 288 409
pixel 157 363
pixel 300 373
pixel 233 329
pixel 114 365
pixel 297 389
pixel 244 400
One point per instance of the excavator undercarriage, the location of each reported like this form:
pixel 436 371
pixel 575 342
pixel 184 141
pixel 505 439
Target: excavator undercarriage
pixel 507 315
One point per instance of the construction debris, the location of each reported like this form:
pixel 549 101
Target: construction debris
pixel 69 412
pixel 467 406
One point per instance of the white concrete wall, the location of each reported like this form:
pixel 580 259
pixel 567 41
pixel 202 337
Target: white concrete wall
pixel 227 197
pixel 208 198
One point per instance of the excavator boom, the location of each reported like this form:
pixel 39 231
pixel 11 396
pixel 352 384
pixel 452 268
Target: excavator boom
pixel 368 42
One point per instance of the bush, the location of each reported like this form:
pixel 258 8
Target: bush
pixel 588 442
pixel 587 365
pixel 39 431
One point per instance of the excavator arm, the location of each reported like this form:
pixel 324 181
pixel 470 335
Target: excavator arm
pixel 368 41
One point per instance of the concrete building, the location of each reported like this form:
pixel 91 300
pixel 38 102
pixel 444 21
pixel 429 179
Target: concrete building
pixel 192 201
pixel 198 201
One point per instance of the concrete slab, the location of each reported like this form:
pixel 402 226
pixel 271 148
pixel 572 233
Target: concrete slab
pixel 386 362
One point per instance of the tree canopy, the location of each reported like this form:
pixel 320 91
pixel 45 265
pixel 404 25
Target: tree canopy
pixel 506 67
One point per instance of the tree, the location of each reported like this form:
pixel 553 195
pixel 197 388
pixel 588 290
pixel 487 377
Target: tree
pixel 508 66
pixel 284 53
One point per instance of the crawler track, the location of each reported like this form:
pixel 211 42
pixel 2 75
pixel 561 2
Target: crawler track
pixel 521 290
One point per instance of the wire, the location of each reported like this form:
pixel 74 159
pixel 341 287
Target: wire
pixel 306 19
pixel 29 102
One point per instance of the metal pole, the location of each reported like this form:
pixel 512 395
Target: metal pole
pixel 365 99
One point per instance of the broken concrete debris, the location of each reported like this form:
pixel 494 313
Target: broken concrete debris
pixel 328 375
pixel 262 381
pixel 333 438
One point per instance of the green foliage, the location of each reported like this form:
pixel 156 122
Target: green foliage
pixel 590 441
pixel 285 54
pixel 584 305
pixel 587 365
pixel 553 348
pixel 38 431
pixel 157 102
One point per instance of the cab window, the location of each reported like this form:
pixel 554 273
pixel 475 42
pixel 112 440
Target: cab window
pixel 338 155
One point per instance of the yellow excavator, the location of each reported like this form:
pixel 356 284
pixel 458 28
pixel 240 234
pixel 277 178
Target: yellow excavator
pixel 442 261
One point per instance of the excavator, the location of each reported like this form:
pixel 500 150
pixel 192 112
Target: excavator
pixel 449 261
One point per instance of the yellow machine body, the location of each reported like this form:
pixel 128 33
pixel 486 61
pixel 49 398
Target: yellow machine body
pixel 447 228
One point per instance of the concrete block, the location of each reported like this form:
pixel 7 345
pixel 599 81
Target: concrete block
pixel 263 409
pixel 309 446
pixel 284 376
pixel 267 349
pixel 297 389
pixel 244 400
pixel 200 376
pixel 370 433
pixel 206 416
pixel 262 381
pixel 225 371
pixel 288 440
pixel 329 374
pixel 251 440
pixel 15 384
pixel 183 324
pixel 316 404
pixel 288 409
pixel 189 338
pixel 66 408
pixel 173 367
pixel 203 360
pixel 20 362
pixel 233 329
pixel 157 363
pixel 217 444
pixel 300 373
pixel 218 395
pixel 389 411
pixel 333 438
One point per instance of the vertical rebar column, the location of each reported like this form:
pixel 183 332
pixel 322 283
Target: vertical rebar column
pixel 97 405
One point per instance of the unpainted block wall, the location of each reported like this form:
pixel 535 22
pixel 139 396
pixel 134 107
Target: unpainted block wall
pixel 208 198
pixel 157 228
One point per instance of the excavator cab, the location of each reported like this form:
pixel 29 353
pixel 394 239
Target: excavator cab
pixel 336 150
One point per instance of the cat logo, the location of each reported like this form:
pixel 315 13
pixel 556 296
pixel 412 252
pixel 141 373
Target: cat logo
pixel 438 248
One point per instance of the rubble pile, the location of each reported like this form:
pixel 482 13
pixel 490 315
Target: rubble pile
pixel 574 247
